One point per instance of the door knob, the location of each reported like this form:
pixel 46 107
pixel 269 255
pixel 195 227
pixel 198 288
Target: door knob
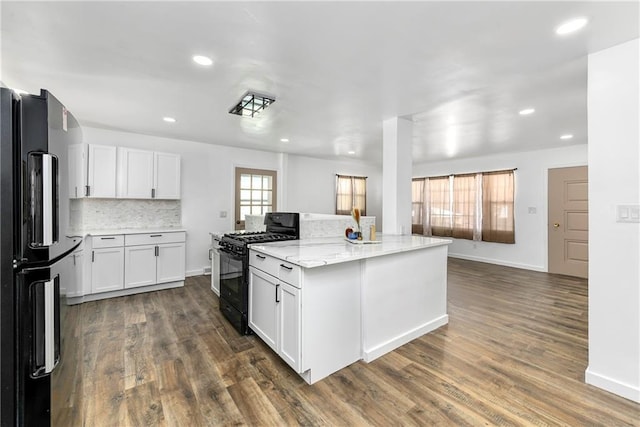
pixel 556 225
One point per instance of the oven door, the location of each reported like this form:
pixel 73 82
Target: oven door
pixel 232 279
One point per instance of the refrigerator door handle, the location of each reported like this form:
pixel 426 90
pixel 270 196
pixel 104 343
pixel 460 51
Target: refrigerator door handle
pixel 45 327
pixel 48 195
pixel 43 199
pixel 49 326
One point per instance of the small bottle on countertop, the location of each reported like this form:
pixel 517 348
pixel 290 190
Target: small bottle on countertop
pixel 372 233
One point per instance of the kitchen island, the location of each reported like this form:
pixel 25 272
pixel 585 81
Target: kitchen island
pixel 325 303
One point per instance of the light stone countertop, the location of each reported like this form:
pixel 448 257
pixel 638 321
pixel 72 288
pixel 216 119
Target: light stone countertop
pixel 83 233
pixel 317 252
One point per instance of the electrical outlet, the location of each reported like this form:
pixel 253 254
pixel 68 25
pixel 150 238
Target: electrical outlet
pixel 223 214
pixel 628 213
pixel 532 210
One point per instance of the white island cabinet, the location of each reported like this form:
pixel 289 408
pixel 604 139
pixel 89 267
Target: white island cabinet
pixel 322 304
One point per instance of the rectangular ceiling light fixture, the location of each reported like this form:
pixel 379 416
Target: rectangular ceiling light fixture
pixel 251 104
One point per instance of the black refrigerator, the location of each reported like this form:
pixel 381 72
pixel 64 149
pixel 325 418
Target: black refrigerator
pixel 35 249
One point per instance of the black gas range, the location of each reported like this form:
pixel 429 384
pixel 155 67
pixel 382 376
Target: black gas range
pixel 234 264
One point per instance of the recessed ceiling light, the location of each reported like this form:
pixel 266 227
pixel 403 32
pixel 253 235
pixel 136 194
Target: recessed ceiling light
pixel 527 111
pixel 284 139
pixel 169 119
pixel 20 91
pixel 202 60
pixel 571 26
pixel 351 152
pixel 566 136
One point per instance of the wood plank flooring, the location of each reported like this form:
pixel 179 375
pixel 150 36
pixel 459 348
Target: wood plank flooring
pixel 514 353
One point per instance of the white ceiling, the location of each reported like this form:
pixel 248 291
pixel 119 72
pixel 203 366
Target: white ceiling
pixel 460 70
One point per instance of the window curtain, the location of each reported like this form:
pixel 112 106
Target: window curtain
pixel 439 207
pixel 464 206
pixel 351 192
pixel 498 222
pixel 417 206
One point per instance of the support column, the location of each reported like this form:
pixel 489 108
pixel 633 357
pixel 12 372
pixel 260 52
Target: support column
pixel 396 176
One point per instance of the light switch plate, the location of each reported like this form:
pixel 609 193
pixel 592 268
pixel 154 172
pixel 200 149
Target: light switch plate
pixel 628 213
pixel 532 210
pixel 223 214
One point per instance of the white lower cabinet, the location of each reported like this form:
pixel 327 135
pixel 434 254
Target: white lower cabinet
pixel 77 259
pixel 171 262
pixel 161 261
pixel 274 315
pixel 118 263
pixel 140 266
pixel 107 269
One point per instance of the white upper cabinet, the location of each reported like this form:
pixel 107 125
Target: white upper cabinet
pixel 148 175
pixel 136 173
pixel 77 170
pixel 101 171
pixel 166 176
pixel 108 172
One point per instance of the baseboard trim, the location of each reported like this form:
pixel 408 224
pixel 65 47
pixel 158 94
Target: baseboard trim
pixel 123 292
pixel 196 272
pixel 627 391
pixel 392 344
pixel 499 262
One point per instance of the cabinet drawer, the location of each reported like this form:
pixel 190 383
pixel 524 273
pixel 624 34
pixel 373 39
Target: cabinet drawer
pixel 283 270
pixel 111 241
pixel 263 262
pixel 154 238
pixel 289 273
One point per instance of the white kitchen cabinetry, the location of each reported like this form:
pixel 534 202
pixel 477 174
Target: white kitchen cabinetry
pixel 107 263
pixel 166 175
pixel 154 258
pixel 214 256
pixel 77 260
pixel 101 171
pixel 310 317
pixel 148 175
pixel 77 170
pixel 136 173
pixel 274 307
pixel 92 171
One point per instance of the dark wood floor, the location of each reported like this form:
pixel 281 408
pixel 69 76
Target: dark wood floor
pixel 514 353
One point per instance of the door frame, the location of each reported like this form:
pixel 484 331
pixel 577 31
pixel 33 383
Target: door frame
pixel 545 215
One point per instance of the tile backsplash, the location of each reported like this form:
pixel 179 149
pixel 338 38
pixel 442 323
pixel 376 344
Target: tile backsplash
pixel 325 225
pixel 105 214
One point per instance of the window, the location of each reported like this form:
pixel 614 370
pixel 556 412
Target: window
pixel 477 206
pixel 417 206
pixel 255 193
pixel 498 223
pixel 351 192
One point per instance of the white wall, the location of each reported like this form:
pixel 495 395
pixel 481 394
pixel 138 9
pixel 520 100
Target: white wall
pixel 311 185
pixel 614 248
pixel 207 183
pixel 530 249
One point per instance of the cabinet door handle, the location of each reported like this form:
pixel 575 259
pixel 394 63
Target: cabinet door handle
pixel 157 250
pixel 277 286
pixel 107 238
pixel 87 190
pixel 261 256
pixel 76 190
pixel 93 256
pixel 155 235
pixel 286 266
pixel 153 193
